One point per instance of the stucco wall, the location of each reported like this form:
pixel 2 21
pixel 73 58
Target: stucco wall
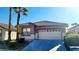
pixel 31 37
pixel 13 35
pixel 74 30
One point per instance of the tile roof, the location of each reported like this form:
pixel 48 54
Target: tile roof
pixel 6 26
pixel 74 27
pixel 40 23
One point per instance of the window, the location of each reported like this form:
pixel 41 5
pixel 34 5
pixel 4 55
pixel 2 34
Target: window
pixel 26 31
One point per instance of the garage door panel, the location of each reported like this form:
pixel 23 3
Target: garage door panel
pixel 49 35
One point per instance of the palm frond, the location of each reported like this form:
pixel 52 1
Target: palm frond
pixel 25 13
pixel 25 9
pixel 17 9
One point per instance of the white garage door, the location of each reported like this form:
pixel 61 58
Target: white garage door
pixel 50 35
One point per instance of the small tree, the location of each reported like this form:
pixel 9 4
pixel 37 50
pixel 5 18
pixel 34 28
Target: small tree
pixel 74 24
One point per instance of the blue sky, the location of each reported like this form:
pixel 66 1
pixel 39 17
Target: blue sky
pixel 55 14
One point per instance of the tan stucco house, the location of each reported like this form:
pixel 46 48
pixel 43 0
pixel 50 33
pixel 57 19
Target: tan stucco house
pixel 73 31
pixel 43 30
pixel 4 32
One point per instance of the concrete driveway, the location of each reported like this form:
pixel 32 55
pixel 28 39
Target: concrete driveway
pixel 45 45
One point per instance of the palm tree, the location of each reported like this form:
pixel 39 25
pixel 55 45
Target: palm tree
pixel 9 30
pixel 18 10
pixel 74 24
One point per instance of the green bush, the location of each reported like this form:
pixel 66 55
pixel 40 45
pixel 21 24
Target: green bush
pixel 72 40
pixel 11 45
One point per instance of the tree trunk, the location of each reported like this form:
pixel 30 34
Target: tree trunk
pixel 18 19
pixel 9 30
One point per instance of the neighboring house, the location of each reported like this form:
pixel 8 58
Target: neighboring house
pixel 4 32
pixel 43 30
pixel 74 30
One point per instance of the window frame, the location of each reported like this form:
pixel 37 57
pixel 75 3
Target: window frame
pixel 27 33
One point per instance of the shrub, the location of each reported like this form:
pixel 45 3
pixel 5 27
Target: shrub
pixel 21 40
pixel 11 45
pixel 72 40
